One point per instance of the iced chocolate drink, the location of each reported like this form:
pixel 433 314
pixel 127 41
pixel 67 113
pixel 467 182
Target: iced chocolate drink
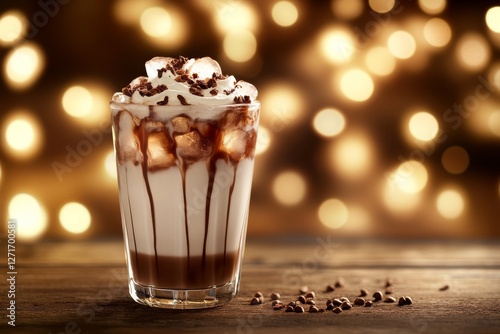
pixel 185 140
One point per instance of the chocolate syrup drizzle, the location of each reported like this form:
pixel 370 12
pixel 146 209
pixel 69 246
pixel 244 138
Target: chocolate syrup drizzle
pixel 212 132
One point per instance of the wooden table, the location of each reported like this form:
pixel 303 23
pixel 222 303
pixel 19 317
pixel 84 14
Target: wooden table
pixel 80 287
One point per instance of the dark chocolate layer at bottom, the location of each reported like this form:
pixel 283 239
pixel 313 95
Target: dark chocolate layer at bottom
pixel 172 272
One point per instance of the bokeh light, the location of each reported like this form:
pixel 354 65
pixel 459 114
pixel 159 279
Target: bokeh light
pixel 110 164
pixel 432 7
pixel 86 102
pixel 333 213
pixel 455 160
pixel 240 45
pixel 411 177
pixel 437 32
pixel 336 45
pixel 283 104
pixel 494 75
pixel 30 215
pixel 493 19
pixel 357 85
pixel 329 122
pixel 235 16
pixel 399 202
pixel 77 101
pixel 450 204
pixel 23 136
pixel 352 155
pixel 423 126
pixel 12 27
pixel 494 122
pixel 381 6
pixel 285 13
pixel 347 9
pixel 156 22
pixel 75 217
pixel 264 138
pixel 380 61
pixel 289 188
pixel 23 66
pixel 402 44
pixel 473 52
pixel 164 26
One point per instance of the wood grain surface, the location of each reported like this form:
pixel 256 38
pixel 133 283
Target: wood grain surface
pixel 81 287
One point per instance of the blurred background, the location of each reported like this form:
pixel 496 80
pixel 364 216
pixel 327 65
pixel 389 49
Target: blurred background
pixel 380 118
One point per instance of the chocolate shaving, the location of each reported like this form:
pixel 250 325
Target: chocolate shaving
pixel 195 75
pixel 229 92
pixel 161 71
pixel 195 91
pixel 127 91
pixel 242 99
pixel 164 102
pixel 182 100
pixel 214 91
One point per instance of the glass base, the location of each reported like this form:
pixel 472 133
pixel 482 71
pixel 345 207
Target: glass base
pixel 183 299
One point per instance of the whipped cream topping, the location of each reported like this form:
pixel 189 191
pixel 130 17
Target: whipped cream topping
pixel 183 81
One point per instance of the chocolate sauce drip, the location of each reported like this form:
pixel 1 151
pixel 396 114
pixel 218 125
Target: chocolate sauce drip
pixel 143 135
pixel 231 189
pixel 130 212
pixel 183 173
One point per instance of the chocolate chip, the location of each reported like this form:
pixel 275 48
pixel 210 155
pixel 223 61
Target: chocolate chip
pixel 377 296
pixel 195 75
pixel 359 301
pixel 388 282
pixel 303 290
pixel 388 291
pixel 302 299
pixel 402 301
pixel 275 296
pixel 444 288
pixel 255 301
pixel 339 283
pixel 336 302
pixel 321 310
pixel 369 303
pixel 409 301
pixel 329 302
pixel 330 307
pixel 363 293
pixel 182 100
pixel 278 307
pixel 259 295
pixel 292 304
pixel 289 309
pixel 313 309
pixel 164 102
pixel 195 91
pixel 275 302
pixel 330 288
pixel 337 310
pixel 346 306
pixel 390 300
pixel 214 92
pixel 345 299
pixel 311 294
pixel 310 301
pixel 298 309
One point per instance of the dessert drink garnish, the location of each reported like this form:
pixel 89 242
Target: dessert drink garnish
pixel 185 142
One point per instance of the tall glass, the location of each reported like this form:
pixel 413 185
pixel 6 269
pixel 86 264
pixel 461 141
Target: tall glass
pixel 185 175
